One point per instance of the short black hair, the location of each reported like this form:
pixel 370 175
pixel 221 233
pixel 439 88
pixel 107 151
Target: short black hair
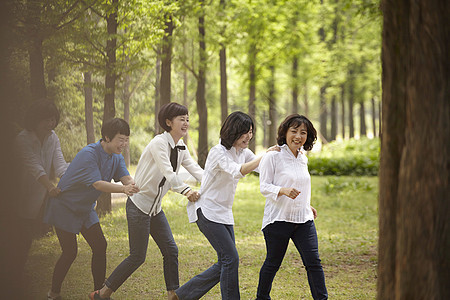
pixel 40 110
pixel 168 112
pixel 296 120
pixel 115 126
pixel 235 125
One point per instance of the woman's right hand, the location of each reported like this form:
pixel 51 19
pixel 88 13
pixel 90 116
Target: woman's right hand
pixel 289 192
pixel 130 189
pixel 193 196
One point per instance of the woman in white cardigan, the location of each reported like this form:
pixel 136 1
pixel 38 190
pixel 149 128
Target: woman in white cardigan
pixel 288 215
pixel 156 173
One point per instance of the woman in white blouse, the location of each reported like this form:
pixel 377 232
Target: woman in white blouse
pixel 156 173
pixel 227 162
pixel 286 184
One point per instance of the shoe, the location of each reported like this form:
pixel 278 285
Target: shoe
pixel 95 295
pixel 53 298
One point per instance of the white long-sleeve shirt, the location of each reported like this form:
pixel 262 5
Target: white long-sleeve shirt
pixel 222 173
pixel 283 169
pixel 38 160
pixel 153 165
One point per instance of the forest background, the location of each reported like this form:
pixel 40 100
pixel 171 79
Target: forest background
pixel 99 59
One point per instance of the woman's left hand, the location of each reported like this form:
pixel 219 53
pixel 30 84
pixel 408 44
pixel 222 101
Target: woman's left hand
pixel 274 148
pixel 314 212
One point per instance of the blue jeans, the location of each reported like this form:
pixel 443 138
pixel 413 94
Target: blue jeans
pixel 304 236
pixel 140 226
pixel 225 271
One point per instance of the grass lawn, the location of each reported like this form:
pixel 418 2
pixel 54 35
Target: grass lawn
pixel 347 230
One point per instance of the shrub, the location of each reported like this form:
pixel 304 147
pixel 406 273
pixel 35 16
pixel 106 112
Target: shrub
pixel 352 157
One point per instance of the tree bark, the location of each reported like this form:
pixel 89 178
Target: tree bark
pixel 343 110
pixel 414 235
pixel 351 100
pixel 374 117
pixel 88 109
pixel 252 92
pixel 323 115
pixel 272 108
pixel 334 121
pixel 200 95
pixel 166 62
pixel 157 93
pixel 223 73
pixel 295 85
pixel 109 111
pixel 305 100
pixel 126 114
pixel 362 120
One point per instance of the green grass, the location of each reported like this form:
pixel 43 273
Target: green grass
pixel 347 231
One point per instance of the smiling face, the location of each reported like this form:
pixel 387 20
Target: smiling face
pixel 117 144
pixel 243 141
pixel 179 126
pixel 296 137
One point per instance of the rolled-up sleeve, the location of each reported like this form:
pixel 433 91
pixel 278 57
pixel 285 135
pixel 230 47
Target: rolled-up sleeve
pixel 266 177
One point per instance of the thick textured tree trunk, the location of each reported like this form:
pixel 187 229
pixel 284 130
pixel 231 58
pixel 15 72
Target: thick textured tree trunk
pixel 166 64
pixel 272 108
pixel 88 108
pixel 362 120
pixel 200 97
pixel 414 224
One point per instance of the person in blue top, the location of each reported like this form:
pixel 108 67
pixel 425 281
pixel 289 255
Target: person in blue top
pixel 72 211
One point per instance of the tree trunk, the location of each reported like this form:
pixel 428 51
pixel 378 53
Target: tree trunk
pixel 323 114
pixel 223 84
pixel 343 110
pixel 157 93
pixel 88 109
pixel 305 100
pixel 334 121
pixel 252 93
pixel 166 64
pixel 351 100
pixel 414 235
pixel 295 85
pixel 109 111
pixel 200 95
pixel 362 120
pixel 223 74
pixel 374 117
pixel 272 108
pixel 36 60
pixel 110 77
pixel 126 114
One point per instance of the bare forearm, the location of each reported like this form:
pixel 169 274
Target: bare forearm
pixel 250 166
pixel 108 187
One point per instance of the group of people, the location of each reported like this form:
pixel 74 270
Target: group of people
pixel 70 206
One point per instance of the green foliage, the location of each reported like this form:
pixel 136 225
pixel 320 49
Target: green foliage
pixel 346 227
pixel 352 157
